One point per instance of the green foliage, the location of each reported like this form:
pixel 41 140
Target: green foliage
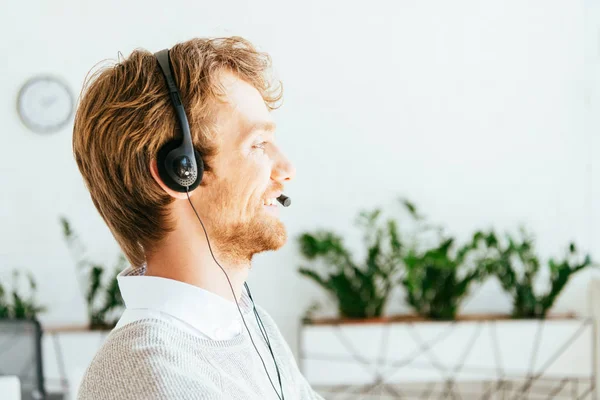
pixel 437 277
pixel 436 271
pixel 4 305
pixel 361 290
pixel 101 290
pixel 16 305
pixel 517 266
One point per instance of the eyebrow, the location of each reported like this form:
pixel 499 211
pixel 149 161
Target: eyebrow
pixel 262 126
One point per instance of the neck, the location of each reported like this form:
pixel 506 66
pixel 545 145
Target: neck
pixel 185 257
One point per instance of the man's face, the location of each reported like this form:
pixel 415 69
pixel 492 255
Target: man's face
pixel 248 174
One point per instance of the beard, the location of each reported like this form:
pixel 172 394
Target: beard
pixel 238 241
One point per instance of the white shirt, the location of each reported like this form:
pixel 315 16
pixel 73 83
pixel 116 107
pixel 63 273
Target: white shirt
pixel 189 307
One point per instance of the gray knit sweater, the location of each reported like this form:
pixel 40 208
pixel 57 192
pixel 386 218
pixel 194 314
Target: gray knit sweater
pixel 151 359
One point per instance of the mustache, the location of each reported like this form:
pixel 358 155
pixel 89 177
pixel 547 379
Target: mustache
pixel 276 187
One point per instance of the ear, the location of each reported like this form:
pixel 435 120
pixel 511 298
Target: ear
pixel 169 191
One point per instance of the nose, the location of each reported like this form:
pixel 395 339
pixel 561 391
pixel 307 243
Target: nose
pixel 283 170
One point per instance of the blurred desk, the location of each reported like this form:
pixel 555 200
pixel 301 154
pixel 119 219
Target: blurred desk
pixel 68 351
pixel 10 387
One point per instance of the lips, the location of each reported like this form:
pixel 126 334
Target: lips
pixel 271 200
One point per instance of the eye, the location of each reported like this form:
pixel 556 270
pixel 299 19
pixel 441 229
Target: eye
pixel 260 145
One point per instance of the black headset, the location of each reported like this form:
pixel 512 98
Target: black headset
pixel 180 166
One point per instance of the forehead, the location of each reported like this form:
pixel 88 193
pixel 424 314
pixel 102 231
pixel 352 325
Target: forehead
pixel 242 109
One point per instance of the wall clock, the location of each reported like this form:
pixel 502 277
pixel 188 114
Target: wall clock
pixel 45 104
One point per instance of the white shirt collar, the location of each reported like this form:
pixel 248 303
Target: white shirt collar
pixel 209 313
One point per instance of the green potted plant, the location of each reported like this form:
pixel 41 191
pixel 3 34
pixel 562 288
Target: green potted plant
pixel 99 283
pixel 438 272
pixel 517 266
pixel 16 305
pixel 361 289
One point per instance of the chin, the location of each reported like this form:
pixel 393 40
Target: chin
pixel 274 235
pixel 242 241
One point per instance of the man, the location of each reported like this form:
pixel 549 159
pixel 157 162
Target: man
pixel 182 335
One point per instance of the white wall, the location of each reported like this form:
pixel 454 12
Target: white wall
pixel 483 113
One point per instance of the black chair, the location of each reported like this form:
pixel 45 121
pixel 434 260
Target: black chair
pixel 21 355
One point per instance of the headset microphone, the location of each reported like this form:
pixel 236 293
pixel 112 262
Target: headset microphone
pixel 284 200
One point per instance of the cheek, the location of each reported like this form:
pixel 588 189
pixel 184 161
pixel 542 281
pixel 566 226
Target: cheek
pixel 252 178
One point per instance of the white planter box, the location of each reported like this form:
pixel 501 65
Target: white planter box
pixel 474 351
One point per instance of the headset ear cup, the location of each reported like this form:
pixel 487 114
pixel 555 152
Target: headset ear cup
pixel 162 167
pixel 200 166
